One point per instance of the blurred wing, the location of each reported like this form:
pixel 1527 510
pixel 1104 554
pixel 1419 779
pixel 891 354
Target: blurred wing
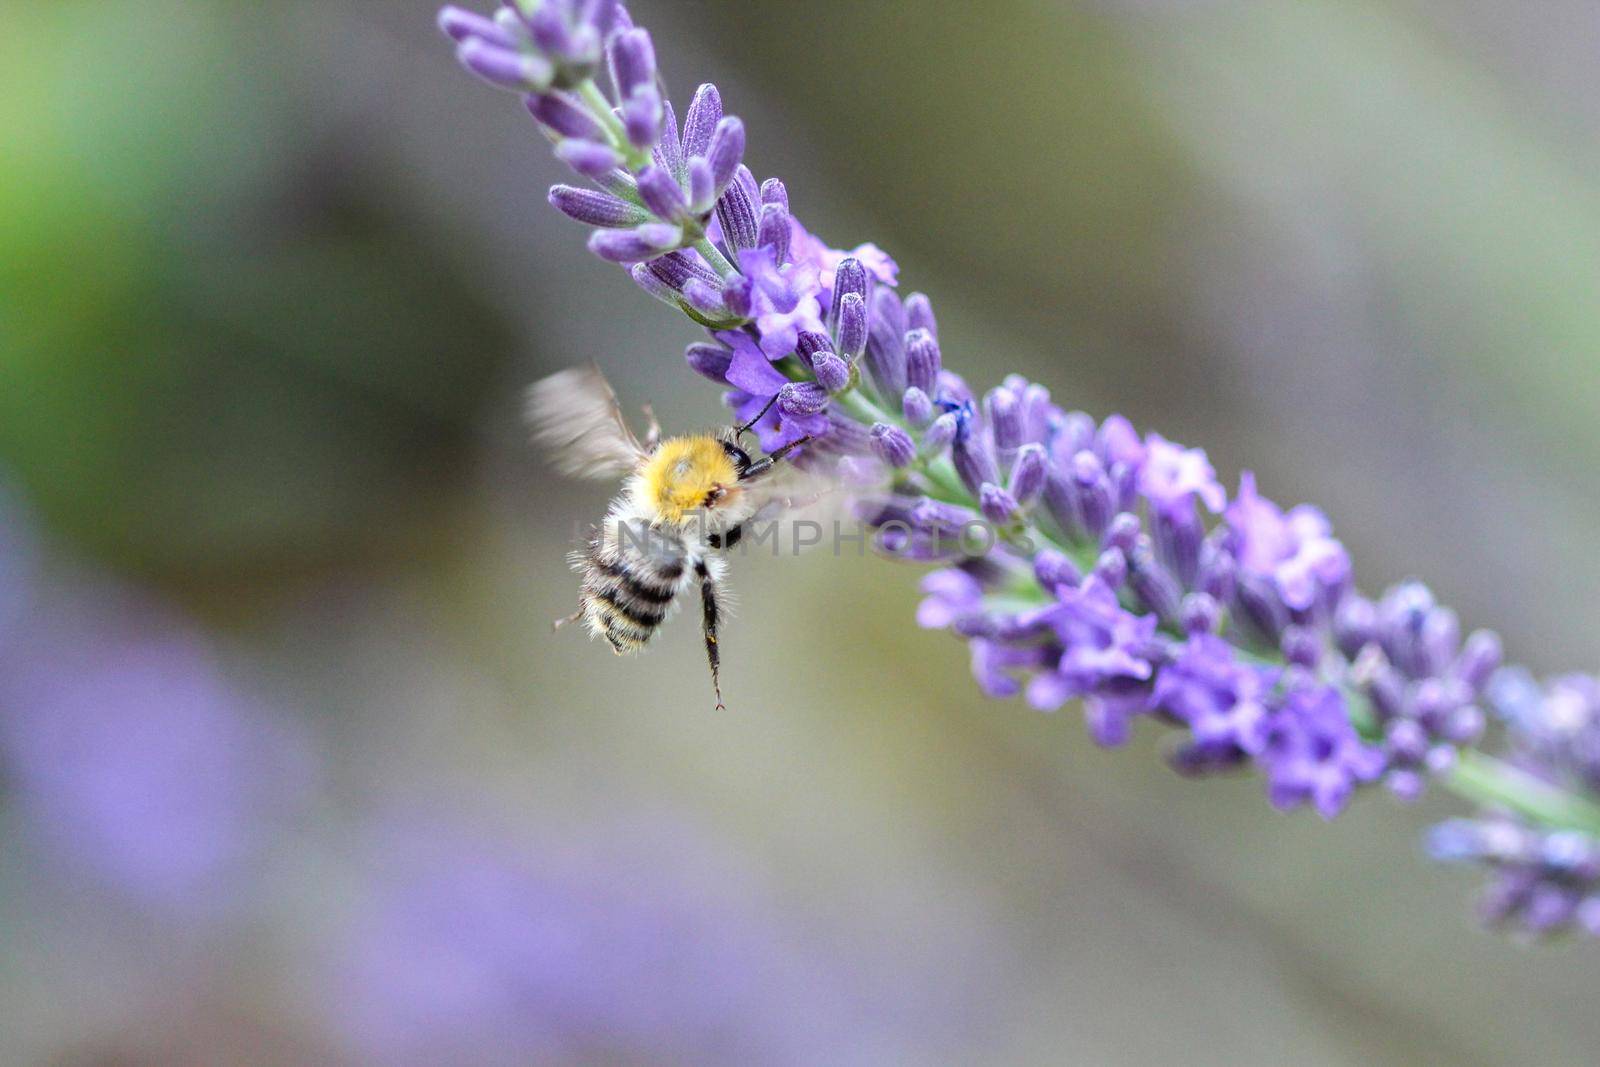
pixel 807 510
pixel 575 416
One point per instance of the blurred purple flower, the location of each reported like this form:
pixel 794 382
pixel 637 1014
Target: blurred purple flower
pixel 613 945
pixel 134 759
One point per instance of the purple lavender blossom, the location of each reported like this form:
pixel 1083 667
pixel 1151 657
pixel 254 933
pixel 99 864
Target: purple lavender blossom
pixel 1115 569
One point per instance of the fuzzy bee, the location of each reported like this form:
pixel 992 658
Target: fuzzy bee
pixel 684 500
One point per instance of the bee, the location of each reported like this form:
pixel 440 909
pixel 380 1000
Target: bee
pixel 684 501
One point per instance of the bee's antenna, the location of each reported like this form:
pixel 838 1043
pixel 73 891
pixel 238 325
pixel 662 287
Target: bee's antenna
pixel 742 430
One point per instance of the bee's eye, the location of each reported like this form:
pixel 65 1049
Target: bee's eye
pixel 741 458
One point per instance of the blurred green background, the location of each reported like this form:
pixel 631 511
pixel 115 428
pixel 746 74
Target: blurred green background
pixel 271 280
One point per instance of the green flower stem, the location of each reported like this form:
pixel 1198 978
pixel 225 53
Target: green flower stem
pixel 600 108
pixel 1486 780
pixel 718 261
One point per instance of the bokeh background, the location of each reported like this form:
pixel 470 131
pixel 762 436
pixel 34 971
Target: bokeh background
pixel 292 770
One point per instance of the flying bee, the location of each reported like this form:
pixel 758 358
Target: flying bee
pixel 684 500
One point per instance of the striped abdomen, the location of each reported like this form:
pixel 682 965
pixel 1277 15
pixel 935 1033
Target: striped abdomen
pixel 628 592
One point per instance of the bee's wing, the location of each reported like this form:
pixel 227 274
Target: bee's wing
pixel 801 510
pixel 575 416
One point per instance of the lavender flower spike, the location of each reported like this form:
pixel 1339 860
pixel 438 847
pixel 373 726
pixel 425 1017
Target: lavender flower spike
pixel 1120 574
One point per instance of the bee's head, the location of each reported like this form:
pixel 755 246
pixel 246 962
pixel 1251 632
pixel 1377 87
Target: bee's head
pixel 694 474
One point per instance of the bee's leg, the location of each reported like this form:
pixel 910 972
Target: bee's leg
pixel 708 600
pixel 652 433
pixel 742 430
pixel 566 620
pixel 727 538
pixel 762 466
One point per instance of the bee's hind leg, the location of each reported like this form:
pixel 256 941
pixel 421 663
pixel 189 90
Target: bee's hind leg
pixel 567 619
pixel 708 600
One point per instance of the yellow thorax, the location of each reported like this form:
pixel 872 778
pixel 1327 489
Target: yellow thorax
pixel 683 473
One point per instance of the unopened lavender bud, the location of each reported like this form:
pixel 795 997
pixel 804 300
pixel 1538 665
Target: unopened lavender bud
pixel 631 246
pixel 1092 494
pixel 633 62
pixel 809 343
pixel 954 388
pixel 1053 570
pixel 725 152
pixel 662 194
pixel 705 298
pixel 919 314
pixel 1076 433
pixel 923 360
pixel 1177 532
pixel 1037 411
pixel 504 68
pixel 1440 640
pixel 772 231
pixel 647 281
pixel 1441 759
pixel 847 435
pixel 974 462
pixel 1153 583
pixel 1199 614
pixel 642 116
pixel 1217 574
pixel 996 504
pixel 1300 646
pixel 1355 624
pixel 1405 740
pixel 1260 607
pixel 736 213
pixel 773 191
pixel 1005 415
pixel 851 333
pixel 677 268
pixel 709 361
pixel 803 398
pixel 1383 684
pixel 594 208
pixel 916 407
pixel 1432 702
pixel 1480 658
pixel 589 158
pixel 1112 568
pixel 561 114
pixel 893 445
pixel 461 25
pixel 1122 532
pixel 1028 474
pixel 1464 725
pixel 833 373
pixel 668 152
pixel 886 353
pixel 549 28
pixel 700 120
pixel 941 433
pixel 849 277
pixel 1406 786
pixel 702 189
pixel 1571 853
